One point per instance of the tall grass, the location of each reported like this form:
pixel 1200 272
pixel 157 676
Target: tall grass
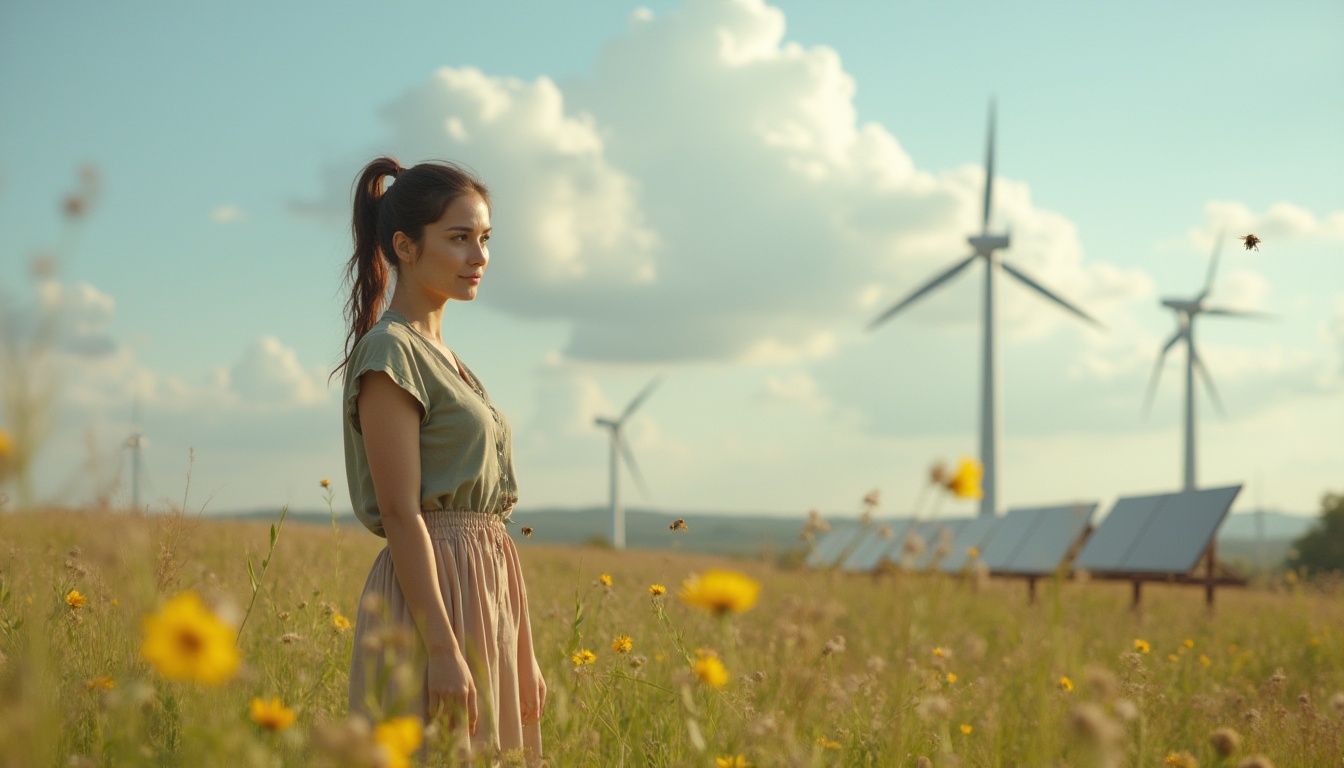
pixel 826 670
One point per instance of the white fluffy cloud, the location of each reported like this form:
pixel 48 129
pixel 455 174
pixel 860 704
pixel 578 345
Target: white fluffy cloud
pixel 269 374
pixel 709 194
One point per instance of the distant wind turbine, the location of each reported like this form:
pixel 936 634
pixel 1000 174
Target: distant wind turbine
pixel 136 444
pixel 1186 312
pixel 985 246
pixel 620 449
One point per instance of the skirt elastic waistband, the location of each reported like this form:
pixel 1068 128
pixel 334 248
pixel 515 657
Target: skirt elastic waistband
pixel 443 522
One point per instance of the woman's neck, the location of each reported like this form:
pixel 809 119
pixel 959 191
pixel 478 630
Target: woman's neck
pixel 423 314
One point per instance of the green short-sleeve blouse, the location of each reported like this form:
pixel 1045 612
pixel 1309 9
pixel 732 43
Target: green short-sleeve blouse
pixel 466 445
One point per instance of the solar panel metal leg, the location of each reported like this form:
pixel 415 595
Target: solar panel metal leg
pixel 1138 595
pixel 1209 580
pixel 1031 590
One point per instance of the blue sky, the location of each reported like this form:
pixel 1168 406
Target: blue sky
pixel 719 192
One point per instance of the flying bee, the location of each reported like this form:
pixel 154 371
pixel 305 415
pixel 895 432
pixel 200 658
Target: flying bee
pixel 678 525
pixel 1251 241
pixel 527 531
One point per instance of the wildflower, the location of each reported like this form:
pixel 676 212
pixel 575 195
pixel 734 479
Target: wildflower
pixel 289 638
pixel 1314 642
pixel 938 652
pixel 972 552
pixel 339 622
pixel 1225 741
pixel 605 579
pixel 325 483
pixel 271 715
pixel 827 743
pixel 1065 684
pixel 622 644
pixel 678 525
pixel 185 641
pixel 1205 660
pixel 966 728
pixel 657 590
pixel 1173 657
pixel 1181 760
pixel 1142 646
pixel 732 761
pixel 965 483
pixel 1189 643
pixel 6 447
pixel 103 683
pixel 951 677
pixel 583 657
pixel 75 600
pixel 399 737
pixel 527 531
pixel 710 670
pixel 720 591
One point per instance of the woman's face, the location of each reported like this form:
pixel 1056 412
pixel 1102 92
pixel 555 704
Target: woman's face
pixel 450 260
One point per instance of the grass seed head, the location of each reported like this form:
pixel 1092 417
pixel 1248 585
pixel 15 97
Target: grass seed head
pixel 1226 742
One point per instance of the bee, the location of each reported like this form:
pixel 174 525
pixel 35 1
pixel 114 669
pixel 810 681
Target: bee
pixel 678 525
pixel 527 531
pixel 1251 241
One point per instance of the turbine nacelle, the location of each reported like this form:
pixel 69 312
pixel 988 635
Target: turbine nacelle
pixel 608 423
pixel 987 244
pixel 1183 305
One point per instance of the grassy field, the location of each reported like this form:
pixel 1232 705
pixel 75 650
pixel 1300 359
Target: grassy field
pixel 824 670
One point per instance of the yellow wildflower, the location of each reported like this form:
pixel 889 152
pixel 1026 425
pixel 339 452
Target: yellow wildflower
pixel 325 483
pixel 340 622
pixel 622 644
pixel 732 761
pixel 1188 643
pixel 951 678
pixel 1314 642
pixel 966 729
pixel 271 715
pixel 938 652
pixel 965 483
pixel 1065 684
pixel 605 579
pixel 720 591
pixel 103 683
pixel 400 737
pixel 185 641
pixel 1181 760
pixel 1142 646
pixel 710 670
pixel 583 657
pixel 827 743
pixel 75 600
pixel 1173 657
pixel 972 552
pixel 657 590
pixel 1205 660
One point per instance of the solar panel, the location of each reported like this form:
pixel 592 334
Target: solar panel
pixel 938 536
pixel 1109 545
pixel 972 534
pixel 1056 531
pixel 1007 537
pixel 880 540
pixel 1180 531
pixel 833 544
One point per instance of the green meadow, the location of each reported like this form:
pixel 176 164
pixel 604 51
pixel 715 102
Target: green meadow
pixel 823 669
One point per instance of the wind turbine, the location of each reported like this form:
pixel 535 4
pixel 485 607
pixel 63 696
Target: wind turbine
pixel 1186 312
pixel 136 444
pixel 620 449
pixel 984 246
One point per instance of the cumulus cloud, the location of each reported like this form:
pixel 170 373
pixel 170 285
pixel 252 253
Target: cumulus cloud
pixel 710 194
pixel 77 315
pixel 269 374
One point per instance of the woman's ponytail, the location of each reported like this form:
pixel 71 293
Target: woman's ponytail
pixel 367 271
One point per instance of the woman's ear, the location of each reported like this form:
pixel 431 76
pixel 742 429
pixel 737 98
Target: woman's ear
pixel 404 247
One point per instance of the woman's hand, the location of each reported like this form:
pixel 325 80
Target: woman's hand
pixel 533 696
pixel 452 692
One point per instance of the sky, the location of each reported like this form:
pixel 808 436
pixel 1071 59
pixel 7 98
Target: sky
pixel 723 193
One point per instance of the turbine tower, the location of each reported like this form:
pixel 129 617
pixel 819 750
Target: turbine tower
pixel 985 245
pixel 621 450
pixel 1186 311
pixel 136 444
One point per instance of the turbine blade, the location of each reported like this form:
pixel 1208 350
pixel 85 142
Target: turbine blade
pixel 1157 371
pixel 929 286
pixel 1223 312
pixel 1213 265
pixel 633 467
pixel 989 171
pixel 1015 272
pixel 1208 382
pixel 639 399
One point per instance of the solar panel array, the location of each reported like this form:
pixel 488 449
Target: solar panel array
pixel 1165 533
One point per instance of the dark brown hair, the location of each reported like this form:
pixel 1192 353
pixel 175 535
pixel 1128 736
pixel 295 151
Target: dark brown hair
pixel 418 197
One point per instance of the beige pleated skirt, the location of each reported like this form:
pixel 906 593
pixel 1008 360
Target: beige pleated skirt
pixel 482 586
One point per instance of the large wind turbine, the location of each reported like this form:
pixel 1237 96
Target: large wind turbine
pixel 136 445
pixel 1186 312
pixel 985 246
pixel 621 450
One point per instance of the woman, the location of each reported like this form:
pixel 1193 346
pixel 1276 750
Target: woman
pixel 430 467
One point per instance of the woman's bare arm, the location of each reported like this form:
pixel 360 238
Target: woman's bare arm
pixel 390 420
